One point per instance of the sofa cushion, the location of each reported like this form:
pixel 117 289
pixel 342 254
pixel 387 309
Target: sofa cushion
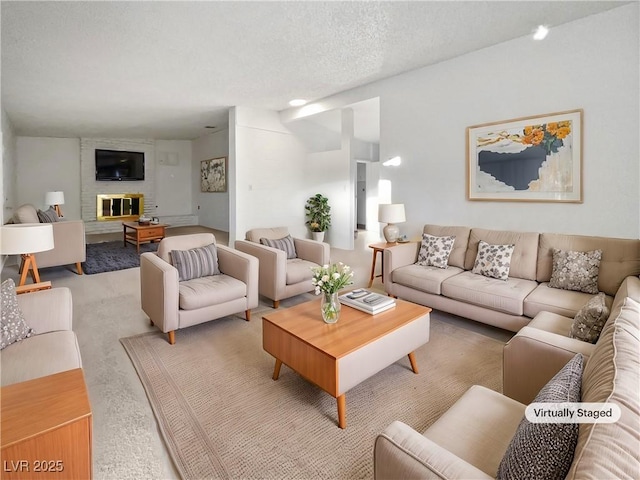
pixel 285 244
pixel 48 216
pixel 299 270
pixel 425 279
pixel 545 450
pixel 562 302
pixel 26 213
pixel 575 270
pixel 505 296
pixel 493 260
pixel 612 450
pixel 39 356
pixel 435 251
pixel 256 234
pixel 195 263
pixel 13 325
pixel 207 291
pixel 523 260
pixel 590 319
pixel 461 234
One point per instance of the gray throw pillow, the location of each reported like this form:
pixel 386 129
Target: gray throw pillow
pixel 575 270
pixel 196 263
pixel 285 243
pixel 435 251
pixel 493 260
pixel 590 319
pixel 14 327
pixel 545 450
pixel 48 216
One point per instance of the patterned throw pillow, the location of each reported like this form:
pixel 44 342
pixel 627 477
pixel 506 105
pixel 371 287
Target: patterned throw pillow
pixel 545 450
pixel 14 328
pixel 196 263
pixel 493 260
pixel 590 319
pixel 435 251
pixel 576 270
pixel 48 216
pixel 284 243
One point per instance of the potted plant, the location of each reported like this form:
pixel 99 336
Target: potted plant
pixel 318 213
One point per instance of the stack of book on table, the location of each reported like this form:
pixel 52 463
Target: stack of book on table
pixel 367 301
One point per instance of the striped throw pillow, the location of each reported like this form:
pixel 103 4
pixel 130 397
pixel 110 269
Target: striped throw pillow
pixel 285 243
pixel 48 216
pixel 196 263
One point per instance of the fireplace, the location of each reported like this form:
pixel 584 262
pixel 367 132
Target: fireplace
pixel 119 206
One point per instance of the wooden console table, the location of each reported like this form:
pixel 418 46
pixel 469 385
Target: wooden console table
pixel 138 234
pixel 46 428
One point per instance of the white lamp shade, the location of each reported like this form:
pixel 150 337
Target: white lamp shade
pixel 391 213
pixel 54 198
pixel 26 238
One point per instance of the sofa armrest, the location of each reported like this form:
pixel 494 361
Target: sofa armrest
pixel 69 245
pixel 532 357
pixel 159 291
pixel 243 267
pixel 272 270
pixel 312 251
pixel 47 310
pixel 401 452
pixel 398 256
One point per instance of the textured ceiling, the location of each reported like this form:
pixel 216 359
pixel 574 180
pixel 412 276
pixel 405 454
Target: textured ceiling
pixel 167 69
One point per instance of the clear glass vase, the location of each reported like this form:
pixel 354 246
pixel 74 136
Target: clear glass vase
pixel 330 307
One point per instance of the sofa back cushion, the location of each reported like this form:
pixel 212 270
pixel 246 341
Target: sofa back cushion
pixel 612 450
pixel 271 233
pixel 457 255
pixel 523 259
pixel 620 257
pixel 26 213
pixel 183 242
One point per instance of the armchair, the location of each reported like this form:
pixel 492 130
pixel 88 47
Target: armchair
pixel 281 277
pixel 172 304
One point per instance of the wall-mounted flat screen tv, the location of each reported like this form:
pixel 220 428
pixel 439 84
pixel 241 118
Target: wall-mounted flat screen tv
pixel 119 165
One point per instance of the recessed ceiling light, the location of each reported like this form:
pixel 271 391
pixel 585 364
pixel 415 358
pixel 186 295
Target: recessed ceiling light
pixel 298 102
pixel 540 33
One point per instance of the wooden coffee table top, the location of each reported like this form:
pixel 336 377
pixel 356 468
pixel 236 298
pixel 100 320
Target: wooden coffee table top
pixel 353 330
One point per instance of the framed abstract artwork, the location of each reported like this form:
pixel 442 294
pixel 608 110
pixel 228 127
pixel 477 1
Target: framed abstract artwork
pixel 529 159
pixel 213 175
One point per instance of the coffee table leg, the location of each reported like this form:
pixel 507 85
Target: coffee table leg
pixel 342 411
pixel 276 370
pixel 414 364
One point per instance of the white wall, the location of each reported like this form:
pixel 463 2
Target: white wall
pixel 173 187
pixel 212 207
pixel 46 164
pixel 593 64
pixel 7 169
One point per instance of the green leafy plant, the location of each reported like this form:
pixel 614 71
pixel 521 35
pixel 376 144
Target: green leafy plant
pixel 318 213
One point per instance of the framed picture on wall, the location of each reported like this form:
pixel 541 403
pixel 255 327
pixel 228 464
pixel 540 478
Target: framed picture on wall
pixel 529 159
pixel 213 175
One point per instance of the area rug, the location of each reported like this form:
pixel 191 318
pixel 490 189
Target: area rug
pixel 222 415
pixel 112 256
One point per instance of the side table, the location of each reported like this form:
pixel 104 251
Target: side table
pixel 378 248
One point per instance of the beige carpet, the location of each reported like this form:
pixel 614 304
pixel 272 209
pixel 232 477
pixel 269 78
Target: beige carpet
pixel 222 416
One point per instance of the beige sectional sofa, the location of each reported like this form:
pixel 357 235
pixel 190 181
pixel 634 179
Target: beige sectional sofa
pixel 68 239
pixel 471 438
pixel 53 348
pixel 509 304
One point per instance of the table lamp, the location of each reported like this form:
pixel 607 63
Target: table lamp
pixel 391 213
pixel 25 239
pixel 55 199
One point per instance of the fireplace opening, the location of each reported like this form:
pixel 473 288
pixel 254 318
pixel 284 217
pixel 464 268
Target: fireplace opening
pixel 119 206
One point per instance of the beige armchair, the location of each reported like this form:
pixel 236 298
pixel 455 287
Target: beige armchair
pixel 172 304
pixel 68 240
pixel 280 277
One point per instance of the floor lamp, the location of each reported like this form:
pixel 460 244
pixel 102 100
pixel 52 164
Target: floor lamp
pixel 55 199
pixel 25 239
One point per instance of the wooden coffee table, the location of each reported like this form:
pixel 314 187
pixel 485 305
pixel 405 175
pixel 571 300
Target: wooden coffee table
pixel 136 234
pixel 339 356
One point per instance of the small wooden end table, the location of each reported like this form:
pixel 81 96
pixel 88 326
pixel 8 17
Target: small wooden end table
pixel 378 248
pixel 137 234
